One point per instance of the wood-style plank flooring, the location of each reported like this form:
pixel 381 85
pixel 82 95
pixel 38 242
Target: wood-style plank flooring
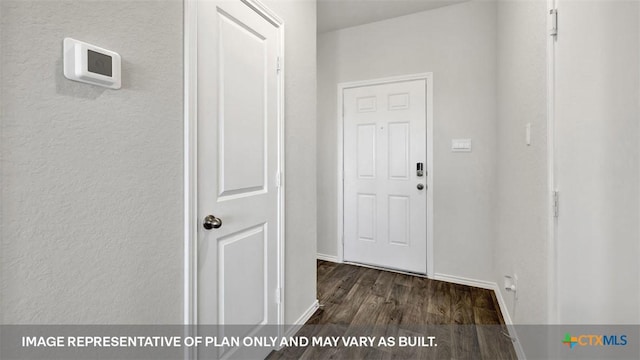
pixel 360 301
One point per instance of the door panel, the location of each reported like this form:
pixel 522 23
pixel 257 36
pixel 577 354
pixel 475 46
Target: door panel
pixel 398 101
pixel 399 224
pixel 399 151
pixel 366 151
pixel 239 85
pixel 385 215
pixel 243 253
pixel 366 217
pixel 237 165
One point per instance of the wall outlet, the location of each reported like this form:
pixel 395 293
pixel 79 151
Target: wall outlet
pixel 509 283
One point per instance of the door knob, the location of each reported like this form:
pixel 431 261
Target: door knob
pixel 211 222
pixel 420 186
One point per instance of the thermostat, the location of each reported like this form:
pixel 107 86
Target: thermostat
pixel 91 64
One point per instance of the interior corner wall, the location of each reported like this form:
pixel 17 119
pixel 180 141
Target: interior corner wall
pixel 300 146
pixel 521 244
pixel 92 210
pixel 458 44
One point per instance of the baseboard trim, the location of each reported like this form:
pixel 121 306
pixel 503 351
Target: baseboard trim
pixel 465 281
pixel 291 331
pixel 503 305
pixel 331 258
pixel 507 320
pixel 489 285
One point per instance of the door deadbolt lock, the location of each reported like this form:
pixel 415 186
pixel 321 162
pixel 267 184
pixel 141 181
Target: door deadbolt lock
pixel 419 169
pixel 420 186
pixel 211 222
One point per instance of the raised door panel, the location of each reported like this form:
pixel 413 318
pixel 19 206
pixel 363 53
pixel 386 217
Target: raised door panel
pixel 366 217
pixel 399 224
pixel 399 151
pixel 243 298
pixel 366 151
pixel 242 120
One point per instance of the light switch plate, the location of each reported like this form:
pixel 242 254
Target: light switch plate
pixel 461 145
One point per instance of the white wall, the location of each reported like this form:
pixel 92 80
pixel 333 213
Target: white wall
pixel 458 44
pixel 300 116
pixel 520 247
pixel 91 178
pixel 597 142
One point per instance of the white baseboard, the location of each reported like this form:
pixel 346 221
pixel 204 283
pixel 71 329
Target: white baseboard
pixel 503 306
pixel 302 319
pixel 507 320
pixel 465 281
pixel 331 258
pixel 489 285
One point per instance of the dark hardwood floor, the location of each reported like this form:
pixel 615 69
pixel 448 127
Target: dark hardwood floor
pixel 360 301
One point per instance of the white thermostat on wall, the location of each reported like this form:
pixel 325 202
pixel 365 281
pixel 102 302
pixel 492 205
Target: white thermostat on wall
pixel 91 64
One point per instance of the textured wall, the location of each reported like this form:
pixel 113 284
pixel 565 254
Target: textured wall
pixel 91 178
pixel 458 44
pixel 521 242
pixel 300 120
pixel 598 152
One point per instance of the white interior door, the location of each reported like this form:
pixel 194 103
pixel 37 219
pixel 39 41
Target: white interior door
pixel 385 211
pixel 237 110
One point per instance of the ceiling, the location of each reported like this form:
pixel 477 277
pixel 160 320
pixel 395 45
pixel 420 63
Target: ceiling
pixel 340 14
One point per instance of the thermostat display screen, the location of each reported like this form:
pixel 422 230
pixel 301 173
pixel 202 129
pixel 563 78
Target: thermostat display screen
pixel 99 63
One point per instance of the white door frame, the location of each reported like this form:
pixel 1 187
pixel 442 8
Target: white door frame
pixel 552 221
pixel 191 220
pixel 428 77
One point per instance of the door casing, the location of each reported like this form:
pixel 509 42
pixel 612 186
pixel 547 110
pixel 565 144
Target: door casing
pixel 428 77
pixel 191 219
pixel 552 221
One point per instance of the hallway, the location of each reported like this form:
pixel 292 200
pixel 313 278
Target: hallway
pixel 354 298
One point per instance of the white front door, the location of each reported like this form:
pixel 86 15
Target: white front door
pixel 237 110
pixel 385 199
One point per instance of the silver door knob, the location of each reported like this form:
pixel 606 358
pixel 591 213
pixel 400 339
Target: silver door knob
pixel 211 222
pixel 420 186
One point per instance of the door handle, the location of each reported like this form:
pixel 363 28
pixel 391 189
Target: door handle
pixel 211 222
pixel 420 186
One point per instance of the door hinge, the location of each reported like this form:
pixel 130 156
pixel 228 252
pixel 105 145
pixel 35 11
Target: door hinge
pixel 278 68
pixel 556 203
pixel 279 296
pixel 553 22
